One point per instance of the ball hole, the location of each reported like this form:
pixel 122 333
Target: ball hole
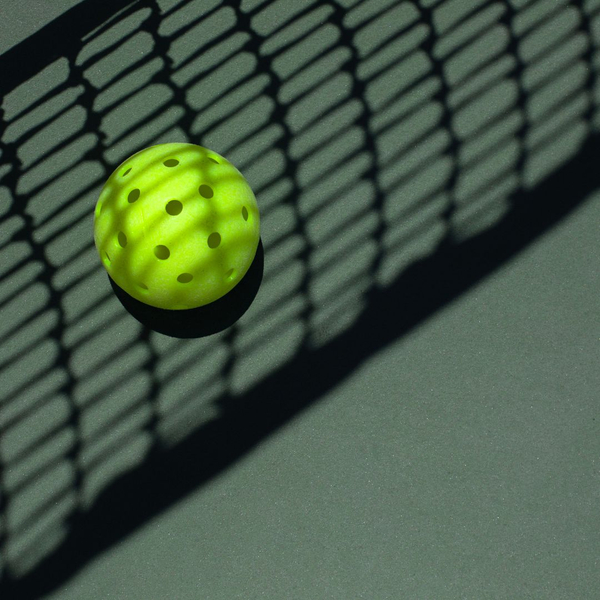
pixel 230 274
pixel 185 278
pixel 107 260
pixel 126 172
pixel 206 191
pixel 162 252
pixel 244 213
pixel 143 286
pixel 174 207
pixel 171 162
pixel 122 239
pixel 99 208
pixel 214 239
pixel 133 196
pixel 213 160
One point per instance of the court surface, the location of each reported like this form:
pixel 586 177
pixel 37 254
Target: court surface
pixel 403 402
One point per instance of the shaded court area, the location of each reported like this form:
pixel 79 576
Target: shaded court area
pixel 402 154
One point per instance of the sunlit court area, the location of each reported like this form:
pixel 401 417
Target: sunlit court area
pixel 371 369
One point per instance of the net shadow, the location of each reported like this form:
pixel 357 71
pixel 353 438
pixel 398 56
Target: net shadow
pixel 399 152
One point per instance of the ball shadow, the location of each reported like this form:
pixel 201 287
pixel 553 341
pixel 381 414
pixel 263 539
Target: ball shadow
pixel 204 320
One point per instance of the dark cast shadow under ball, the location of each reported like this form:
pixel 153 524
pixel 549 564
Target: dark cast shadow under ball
pixel 205 320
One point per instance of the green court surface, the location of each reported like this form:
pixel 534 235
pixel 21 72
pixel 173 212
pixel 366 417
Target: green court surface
pixel 400 399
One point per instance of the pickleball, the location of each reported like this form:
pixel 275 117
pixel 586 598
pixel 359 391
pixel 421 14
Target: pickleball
pixel 176 226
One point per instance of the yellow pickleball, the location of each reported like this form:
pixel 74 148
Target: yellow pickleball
pixel 176 226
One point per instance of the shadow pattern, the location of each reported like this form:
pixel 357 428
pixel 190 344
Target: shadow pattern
pixel 399 151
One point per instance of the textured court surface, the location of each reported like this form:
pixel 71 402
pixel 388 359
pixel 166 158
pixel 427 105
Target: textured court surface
pixel 409 407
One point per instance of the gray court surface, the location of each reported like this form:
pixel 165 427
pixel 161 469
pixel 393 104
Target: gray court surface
pixel 406 405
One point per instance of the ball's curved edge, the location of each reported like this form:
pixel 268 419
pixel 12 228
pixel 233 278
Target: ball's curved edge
pixel 205 320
